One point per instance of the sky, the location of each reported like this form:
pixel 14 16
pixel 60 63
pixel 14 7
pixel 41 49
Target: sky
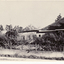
pixel 23 13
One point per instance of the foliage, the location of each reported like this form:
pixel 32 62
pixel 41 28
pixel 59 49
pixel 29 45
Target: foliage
pixel 49 41
pixel 58 17
pixel 8 27
pixel 12 37
pixel 52 41
pixel 1 27
pixel 18 29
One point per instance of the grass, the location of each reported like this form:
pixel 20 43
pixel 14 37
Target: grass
pixel 18 53
pixel 32 57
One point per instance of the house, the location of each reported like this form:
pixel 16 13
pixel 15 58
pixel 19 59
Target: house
pixel 26 36
pixel 29 36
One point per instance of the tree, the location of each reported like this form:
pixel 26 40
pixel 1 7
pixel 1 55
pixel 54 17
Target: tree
pixel 58 17
pixel 8 27
pixel 12 37
pixel 18 29
pixel 1 27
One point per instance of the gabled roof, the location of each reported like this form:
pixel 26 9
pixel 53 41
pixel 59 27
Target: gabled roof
pixel 55 24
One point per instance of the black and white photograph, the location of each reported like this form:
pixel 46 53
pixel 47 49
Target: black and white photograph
pixel 31 30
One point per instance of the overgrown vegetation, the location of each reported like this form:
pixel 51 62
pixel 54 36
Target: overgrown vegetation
pixel 48 42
